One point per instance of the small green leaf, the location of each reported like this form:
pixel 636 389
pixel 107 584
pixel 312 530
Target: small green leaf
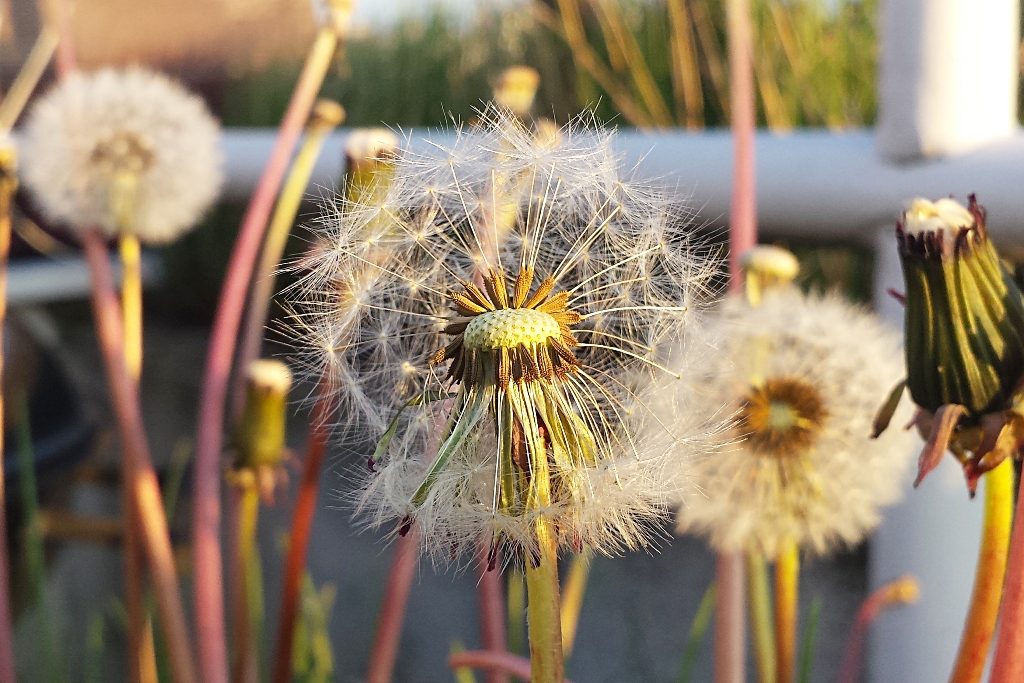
pixel 698 628
pixel 478 402
pixel 803 674
pixel 419 399
pixel 884 415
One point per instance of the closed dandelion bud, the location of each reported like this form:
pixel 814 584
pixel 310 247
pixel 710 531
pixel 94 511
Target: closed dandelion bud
pixel 124 150
pixel 516 89
pixel 964 338
pixel 260 436
pixel 368 156
pixel 964 312
pixel 767 266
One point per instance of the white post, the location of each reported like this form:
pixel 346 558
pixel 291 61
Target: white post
pixel 948 83
pixel 948 75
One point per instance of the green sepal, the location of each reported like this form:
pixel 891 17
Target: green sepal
pixel 419 399
pixel 473 405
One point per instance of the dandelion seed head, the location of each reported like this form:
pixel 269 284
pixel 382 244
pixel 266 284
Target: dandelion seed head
pixel 522 295
pixel 97 137
pixel 802 377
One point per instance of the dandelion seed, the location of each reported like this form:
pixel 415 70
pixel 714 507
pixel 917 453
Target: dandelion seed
pixel 499 357
pixel 802 376
pixel 128 151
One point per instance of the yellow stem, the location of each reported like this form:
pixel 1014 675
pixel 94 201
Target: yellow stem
pixel 988 578
pixel 248 519
pixel 547 664
pixel 787 582
pixel 131 303
pixel 280 227
pixel 572 598
pixel 131 312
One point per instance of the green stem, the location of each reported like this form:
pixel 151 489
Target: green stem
pixel 34 551
pixel 547 663
pixel 245 647
pixel 546 660
pixel 761 621
pixel 516 612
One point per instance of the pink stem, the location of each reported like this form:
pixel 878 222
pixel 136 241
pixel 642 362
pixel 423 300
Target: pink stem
pixel 392 609
pixel 492 661
pixel 208 579
pixel 302 525
pixel 743 211
pixel 142 486
pixel 491 600
pixel 1008 662
pixel 730 645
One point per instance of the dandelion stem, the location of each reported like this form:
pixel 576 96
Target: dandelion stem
pixel 1008 661
pixel 138 470
pixel 392 610
pixel 572 598
pixel 209 589
pixel 302 524
pixel 141 657
pixel 28 77
pixel 131 303
pixel 787 594
pixel 988 579
pixel 547 664
pixel 743 210
pixel 760 604
pixel 280 227
pixel 8 185
pixel 516 611
pixel 902 591
pixel 546 658
pixel 730 646
pixel 248 512
pixel 482 659
pixel 491 600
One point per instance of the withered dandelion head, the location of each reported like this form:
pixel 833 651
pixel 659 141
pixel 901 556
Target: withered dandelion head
pixel 126 151
pixel 802 376
pixel 490 322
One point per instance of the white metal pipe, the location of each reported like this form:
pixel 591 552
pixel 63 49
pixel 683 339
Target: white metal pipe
pixel 813 184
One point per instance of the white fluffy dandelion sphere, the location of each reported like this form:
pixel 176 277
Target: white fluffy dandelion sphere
pixel 803 377
pixel 89 134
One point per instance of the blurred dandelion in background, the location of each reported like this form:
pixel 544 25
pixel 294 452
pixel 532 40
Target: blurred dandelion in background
pixel 125 151
pixel 802 376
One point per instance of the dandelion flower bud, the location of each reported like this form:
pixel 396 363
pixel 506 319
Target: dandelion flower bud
pixel 964 327
pixel 501 372
pixel 802 375
pixel 366 147
pixel 767 266
pixel 127 151
pixel 260 437
pixel 516 89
